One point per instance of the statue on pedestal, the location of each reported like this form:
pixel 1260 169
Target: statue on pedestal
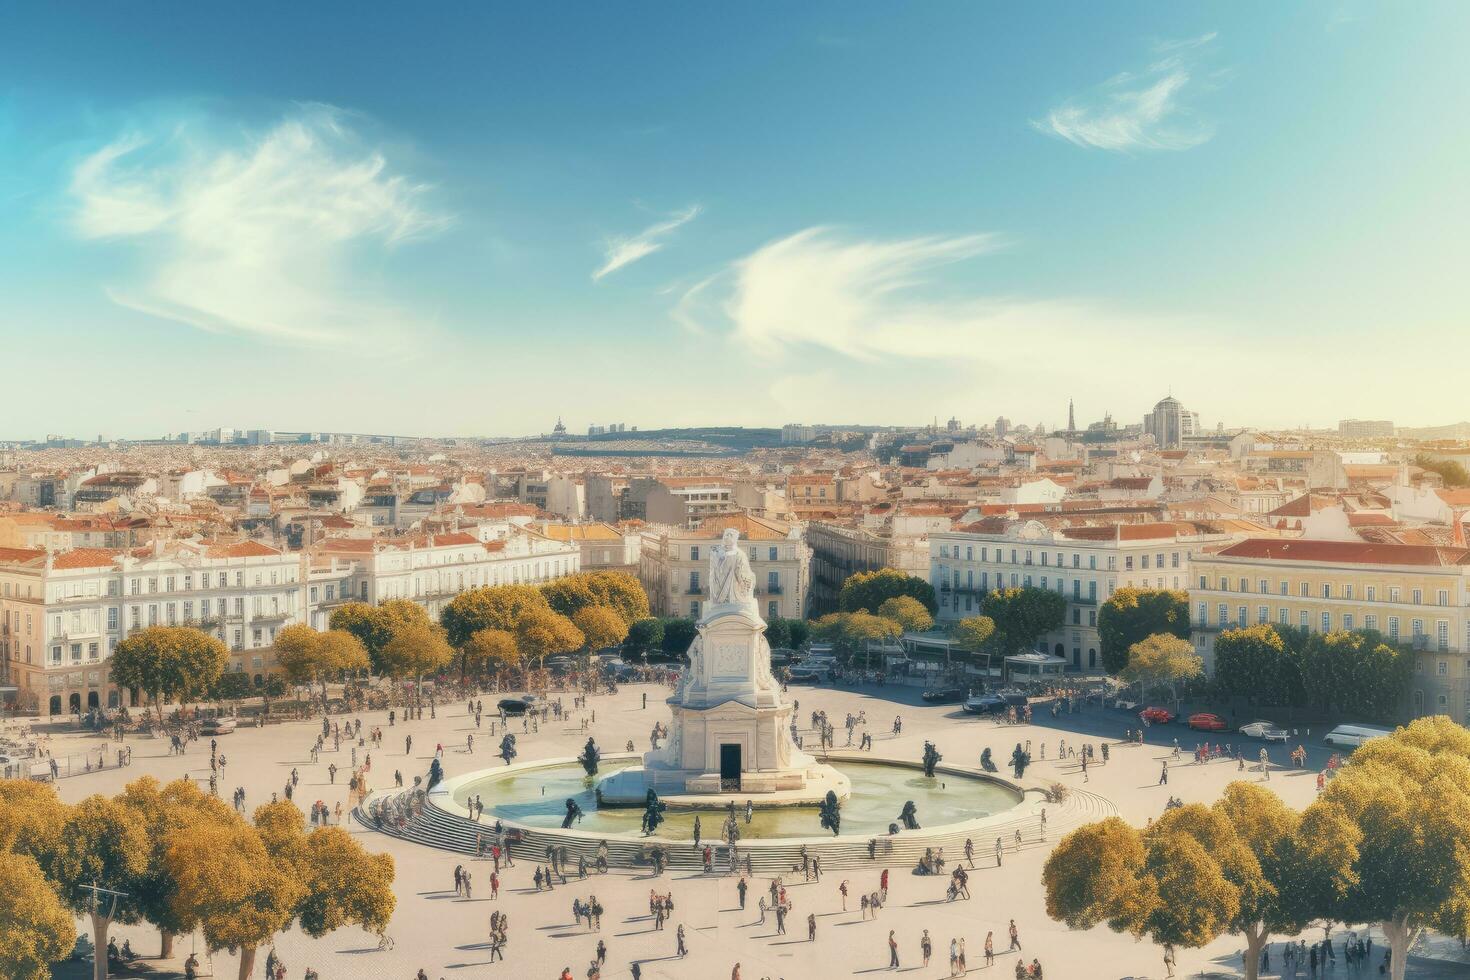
pixel 731 582
pixel 508 748
pixel 574 812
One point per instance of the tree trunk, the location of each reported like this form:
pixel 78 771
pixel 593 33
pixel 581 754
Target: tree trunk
pixel 1255 939
pixel 247 962
pixel 99 939
pixel 1400 938
pixel 165 944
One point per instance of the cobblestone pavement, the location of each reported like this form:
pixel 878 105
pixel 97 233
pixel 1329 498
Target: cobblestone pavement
pixel 447 936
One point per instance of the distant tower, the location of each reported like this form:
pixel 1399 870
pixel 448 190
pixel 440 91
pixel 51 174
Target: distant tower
pixel 560 429
pixel 1071 417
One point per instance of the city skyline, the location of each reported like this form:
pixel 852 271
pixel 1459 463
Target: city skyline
pixel 466 224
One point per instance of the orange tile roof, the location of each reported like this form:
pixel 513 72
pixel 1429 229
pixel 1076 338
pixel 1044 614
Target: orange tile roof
pixel 1350 552
pixel 241 549
pixel 85 558
pixel 21 555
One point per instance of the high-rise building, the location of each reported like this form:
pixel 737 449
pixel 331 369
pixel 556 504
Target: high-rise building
pixel 1169 423
pixel 1365 429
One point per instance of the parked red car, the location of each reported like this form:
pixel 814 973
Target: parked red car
pixel 1206 722
pixel 1156 716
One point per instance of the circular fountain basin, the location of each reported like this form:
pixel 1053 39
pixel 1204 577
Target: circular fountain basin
pixel 535 796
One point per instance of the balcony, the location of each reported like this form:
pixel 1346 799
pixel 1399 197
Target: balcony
pixel 770 590
pixel 694 590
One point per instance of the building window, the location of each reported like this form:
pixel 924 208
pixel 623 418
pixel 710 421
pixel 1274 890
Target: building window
pixel 1306 590
pixel 1444 668
pixel 773 610
pixel 1443 635
pixel 1327 622
pixel 1263 615
pixel 1263 586
pixel 1347 621
pixel 694 552
pixel 1204 614
pixel 1203 582
pixel 1444 597
pixel 694 609
pixel 1393 628
pixel 1370 622
pixel 1372 593
pixel 1285 587
pixel 1283 616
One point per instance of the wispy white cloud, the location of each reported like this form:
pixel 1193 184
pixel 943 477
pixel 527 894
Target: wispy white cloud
pixel 863 298
pixel 256 234
pixel 1143 110
pixel 625 250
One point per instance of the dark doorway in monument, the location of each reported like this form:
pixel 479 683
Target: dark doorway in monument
pixel 729 767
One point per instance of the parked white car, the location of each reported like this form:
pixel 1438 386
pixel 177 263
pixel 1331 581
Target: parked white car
pixel 1266 731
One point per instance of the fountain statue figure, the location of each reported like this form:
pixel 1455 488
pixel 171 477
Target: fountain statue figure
pixel 831 813
pixel 910 816
pixel 590 757
pixel 931 759
pixel 574 812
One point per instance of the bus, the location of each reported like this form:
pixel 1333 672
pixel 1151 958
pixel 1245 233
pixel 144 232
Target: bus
pixel 1352 736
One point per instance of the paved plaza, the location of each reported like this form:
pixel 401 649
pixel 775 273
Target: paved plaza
pixel 447 936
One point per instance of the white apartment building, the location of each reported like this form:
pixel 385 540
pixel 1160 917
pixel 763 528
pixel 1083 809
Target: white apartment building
pixel 674 565
pixel 64 613
pixel 431 569
pixel 1084 564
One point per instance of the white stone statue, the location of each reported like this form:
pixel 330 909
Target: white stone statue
pixel 731 582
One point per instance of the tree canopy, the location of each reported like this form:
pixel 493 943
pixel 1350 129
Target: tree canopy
pixel 1130 615
pixel 376 626
pixel 542 633
pixel 36 930
pixel 168 662
pixel 618 591
pixel 678 634
pixel 644 635
pixel 1023 615
pixel 309 657
pixel 866 591
pixel 907 612
pixel 1400 811
pixel 497 607
pixel 416 650
pixel 973 633
pixel 851 633
pixel 1163 660
pixel 601 626
pixel 1352 673
pixel 492 649
pixel 1197 872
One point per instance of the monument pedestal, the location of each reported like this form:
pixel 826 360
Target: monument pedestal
pixel 730 735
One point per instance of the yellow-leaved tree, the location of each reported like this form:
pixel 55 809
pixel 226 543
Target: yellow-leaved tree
pixel 164 810
pixel 601 626
pixel 105 844
pixel 492 649
pixel 36 930
pixel 542 633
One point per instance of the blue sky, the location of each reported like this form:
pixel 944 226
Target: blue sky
pixel 471 220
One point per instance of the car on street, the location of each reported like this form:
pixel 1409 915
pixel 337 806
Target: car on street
pixel 988 701
pixel 216 726
pixel 1267 731
pixel 1156 715
pixel 944 695
pixel 514 706
pixel 1204 721
pixel 805 675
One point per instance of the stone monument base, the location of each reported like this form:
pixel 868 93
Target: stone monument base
pixel 695 789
